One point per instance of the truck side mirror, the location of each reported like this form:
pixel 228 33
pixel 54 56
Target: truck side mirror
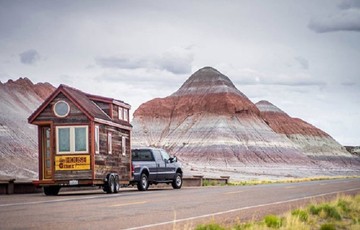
pixel 173 159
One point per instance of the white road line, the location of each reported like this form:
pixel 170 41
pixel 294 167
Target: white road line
pixel 126 204
pixel 235 192
pixel 237 209
pixel 58 200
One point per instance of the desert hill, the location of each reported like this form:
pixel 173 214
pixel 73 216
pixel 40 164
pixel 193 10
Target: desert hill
pixel 18 139
pixel 209 124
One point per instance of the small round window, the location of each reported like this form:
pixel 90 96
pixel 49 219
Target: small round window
pixel 61 109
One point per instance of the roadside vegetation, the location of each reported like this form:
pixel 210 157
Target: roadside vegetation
pixel 340 213
pixel 290 180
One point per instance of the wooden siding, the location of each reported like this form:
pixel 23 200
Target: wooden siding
pixel 104 106
pixel 74 117
pixel 115 162
pixel 73 175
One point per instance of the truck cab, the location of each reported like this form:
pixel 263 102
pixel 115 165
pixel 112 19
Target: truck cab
pixel 153 166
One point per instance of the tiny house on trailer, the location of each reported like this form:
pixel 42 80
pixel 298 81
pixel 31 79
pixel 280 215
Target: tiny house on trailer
pixel 84 140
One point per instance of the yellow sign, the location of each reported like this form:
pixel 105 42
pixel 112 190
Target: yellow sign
pixel 73 162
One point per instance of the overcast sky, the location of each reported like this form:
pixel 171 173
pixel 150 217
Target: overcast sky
pixel 303 56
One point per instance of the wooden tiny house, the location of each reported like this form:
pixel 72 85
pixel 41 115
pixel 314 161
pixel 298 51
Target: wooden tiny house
pixel 84 140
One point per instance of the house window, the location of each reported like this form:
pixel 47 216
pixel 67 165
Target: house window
pixel 72 139
pixel 123 146
pixel 109 141
pixel 121 114
pixel 126 114
pixel 61 109
pixel 97 139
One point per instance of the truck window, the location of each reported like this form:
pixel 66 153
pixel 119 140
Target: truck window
pixel 142 155
pixel 165 155
pixel 157 155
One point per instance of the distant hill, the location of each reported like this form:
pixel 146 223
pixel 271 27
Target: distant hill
pixel 18 139
pixel 209 124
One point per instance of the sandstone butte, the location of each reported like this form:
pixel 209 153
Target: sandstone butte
pixel 208 122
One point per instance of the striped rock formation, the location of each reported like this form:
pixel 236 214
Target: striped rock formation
pixel 209 123
pixel 18 139
pixel 209 120
pixel 313 142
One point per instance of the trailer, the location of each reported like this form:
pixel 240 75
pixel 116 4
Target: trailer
pixel 84 140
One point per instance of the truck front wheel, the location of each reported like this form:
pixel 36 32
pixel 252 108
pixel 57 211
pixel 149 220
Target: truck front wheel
pixel 177 182
pixel 143 184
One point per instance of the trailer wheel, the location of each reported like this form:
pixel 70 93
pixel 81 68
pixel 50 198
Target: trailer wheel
pixel 116 184
pixel 143 184
pixel 177 183
pixel 51 190
pixel 109 186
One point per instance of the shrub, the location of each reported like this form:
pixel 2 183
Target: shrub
pixel 272 221
pixel 344 205
pixel 327 227
pixel 303 215
pixel 209 227
pixel 325 211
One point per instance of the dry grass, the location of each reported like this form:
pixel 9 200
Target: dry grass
pixel 340 213
pixel 290 180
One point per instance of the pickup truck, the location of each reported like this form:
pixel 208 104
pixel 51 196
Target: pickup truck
pixel 153 166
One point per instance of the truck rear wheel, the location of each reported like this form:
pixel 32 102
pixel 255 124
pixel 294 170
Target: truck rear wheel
pixel 51 190
pixel 177 182
pixel 143 184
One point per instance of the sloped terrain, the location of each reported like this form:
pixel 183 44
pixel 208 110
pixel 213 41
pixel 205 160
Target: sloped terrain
pixel 210 125
pixel 18 139
pixel 313 142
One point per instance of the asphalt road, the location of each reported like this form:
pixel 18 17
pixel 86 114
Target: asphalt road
pixel 162 208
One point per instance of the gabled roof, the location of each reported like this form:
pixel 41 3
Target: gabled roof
pixel 85 102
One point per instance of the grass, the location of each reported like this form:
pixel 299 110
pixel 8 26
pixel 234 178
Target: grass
pixel 209 182
pixel 340 213
pixel 292 180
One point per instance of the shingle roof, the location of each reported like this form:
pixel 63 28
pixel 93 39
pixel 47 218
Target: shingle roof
pixel 88 106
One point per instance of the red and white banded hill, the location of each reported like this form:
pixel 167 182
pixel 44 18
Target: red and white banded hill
pixel 18 139
pixel 209 123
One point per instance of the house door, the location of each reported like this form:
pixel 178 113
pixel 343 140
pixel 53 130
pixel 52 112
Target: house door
pixel 46 152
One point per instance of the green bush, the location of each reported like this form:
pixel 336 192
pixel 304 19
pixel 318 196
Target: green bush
pixel 328 210
pixel 303 215
pixel 273 221
pixel 327 227
pixel 209 227
pixel 344 205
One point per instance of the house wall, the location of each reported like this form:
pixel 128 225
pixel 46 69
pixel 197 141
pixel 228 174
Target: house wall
pixel 75 116
pixel 104 106
pixel 116 161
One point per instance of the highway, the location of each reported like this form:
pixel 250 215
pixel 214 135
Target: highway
pixel 162 208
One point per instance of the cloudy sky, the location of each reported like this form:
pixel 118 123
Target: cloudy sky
pixel 303 56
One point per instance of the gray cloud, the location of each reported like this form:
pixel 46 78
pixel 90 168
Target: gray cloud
pixel 347 18
pixel 175 60
pixel 304 63
pixel 120 63
pixel 29 57
pixel 348 4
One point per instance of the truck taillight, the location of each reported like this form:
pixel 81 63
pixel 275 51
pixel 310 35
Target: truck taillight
pixel 132 168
